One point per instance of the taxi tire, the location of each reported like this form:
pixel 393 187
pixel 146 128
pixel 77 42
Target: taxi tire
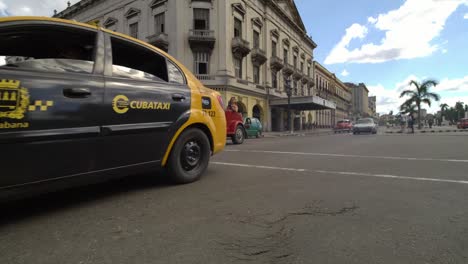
pixel 175 168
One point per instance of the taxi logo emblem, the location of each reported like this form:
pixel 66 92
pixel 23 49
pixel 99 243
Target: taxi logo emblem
pixel 14 99
pixel 120 104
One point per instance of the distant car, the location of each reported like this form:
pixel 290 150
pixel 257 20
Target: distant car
pixel 235 127
pixel 463 124
pixel 344 125
pixel 253 127
pixel 365 125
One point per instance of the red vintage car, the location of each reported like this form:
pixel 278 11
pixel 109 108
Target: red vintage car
pixel 463 124
pixel 344 125
pixel 235 127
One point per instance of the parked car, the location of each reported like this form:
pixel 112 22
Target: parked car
pixel 365 125
pixel 344 125
pixel 235 127
pixel 81 104
pixel 253 127
pixel 463 124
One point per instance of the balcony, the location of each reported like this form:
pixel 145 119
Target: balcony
pixel 276 63
pixel 258 57
pixel 205 77
pixel 201 39
pixel 297 75
pixel 159 40
pixel 305 79
pixel 288 69
pixel 240 47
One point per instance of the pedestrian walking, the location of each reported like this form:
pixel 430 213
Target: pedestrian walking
pixel 411 123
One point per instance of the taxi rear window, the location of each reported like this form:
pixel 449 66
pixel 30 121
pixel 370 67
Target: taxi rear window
pixel 47 48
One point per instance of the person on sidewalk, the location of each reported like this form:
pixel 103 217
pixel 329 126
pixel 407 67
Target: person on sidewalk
pixel 411 123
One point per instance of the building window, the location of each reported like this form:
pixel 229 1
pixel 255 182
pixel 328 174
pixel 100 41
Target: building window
pixel 256 74
pixel 238 67
pixel 285 56
pixel 273 48
pixel 202 62
pixel 256 39
pixel 159 23
pixel 274 79
pixel 133 30
pixel 237 28
pixel 295 61
pixel 308 70
pixel 302 66
pixel 201 19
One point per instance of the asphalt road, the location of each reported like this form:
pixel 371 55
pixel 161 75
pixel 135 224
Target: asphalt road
pixel 318 199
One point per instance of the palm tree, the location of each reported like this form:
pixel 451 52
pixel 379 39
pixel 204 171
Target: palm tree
pixel 408 108
pixel 460 110
pixel 421 95
pixel 443 111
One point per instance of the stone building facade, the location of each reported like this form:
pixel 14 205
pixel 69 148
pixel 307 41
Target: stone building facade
pixel 329 87
pixel 248 49
pixel 360 100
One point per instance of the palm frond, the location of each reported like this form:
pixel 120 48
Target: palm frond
pixel 408 92
pixel 426 101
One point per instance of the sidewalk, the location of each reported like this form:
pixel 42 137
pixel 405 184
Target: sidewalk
pixel 437 129
pixel 318 132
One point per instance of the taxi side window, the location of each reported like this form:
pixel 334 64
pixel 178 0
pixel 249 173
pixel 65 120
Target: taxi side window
pixel 47 48
pixel 136 62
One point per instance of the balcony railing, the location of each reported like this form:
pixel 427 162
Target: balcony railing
pixel 258 56
pixel 201 33
pixel 288 69
pixel 276 63
pixel 205 77
pixel 159 40
pixel 240 47
pixel 201 38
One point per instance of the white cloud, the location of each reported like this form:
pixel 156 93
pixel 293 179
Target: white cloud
pixel 388 98
pixel 465 16
pixel 372 20
pixel 409 31
pixel 344 73
pixel 32 7
pixel 444 51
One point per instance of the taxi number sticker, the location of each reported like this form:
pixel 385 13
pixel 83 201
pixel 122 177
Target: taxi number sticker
pixel 210 113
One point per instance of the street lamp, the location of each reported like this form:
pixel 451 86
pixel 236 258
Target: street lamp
pixel 289 93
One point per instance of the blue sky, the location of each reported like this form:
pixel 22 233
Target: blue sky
pixel 386 43
pixel 382 43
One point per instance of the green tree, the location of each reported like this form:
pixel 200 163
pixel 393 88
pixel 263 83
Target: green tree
pixel 460 110
pixel 420 95
pixel 408 108
pixel 443 111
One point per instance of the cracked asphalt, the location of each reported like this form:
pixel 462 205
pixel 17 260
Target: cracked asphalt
pixel 314 199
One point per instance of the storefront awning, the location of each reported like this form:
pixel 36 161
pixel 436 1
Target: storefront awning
pixel 303 103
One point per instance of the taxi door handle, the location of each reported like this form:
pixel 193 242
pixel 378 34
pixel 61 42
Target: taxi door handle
pixel 76 92
pixel 178 97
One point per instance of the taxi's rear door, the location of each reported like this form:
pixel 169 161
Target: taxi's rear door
pixel 51 89
pixel 146 100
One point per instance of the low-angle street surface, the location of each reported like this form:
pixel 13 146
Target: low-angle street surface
pixel 314 199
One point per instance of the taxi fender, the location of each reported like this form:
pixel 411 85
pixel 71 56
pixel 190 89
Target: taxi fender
pixel 189 118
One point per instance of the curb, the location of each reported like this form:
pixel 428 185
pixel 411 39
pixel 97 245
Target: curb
pixel 428 131
pixel 300 134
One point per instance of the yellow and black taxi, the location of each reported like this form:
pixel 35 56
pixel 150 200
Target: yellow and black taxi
pixel 79 103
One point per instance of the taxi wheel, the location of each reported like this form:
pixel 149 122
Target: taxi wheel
pixel 239 136
pixel 189 157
